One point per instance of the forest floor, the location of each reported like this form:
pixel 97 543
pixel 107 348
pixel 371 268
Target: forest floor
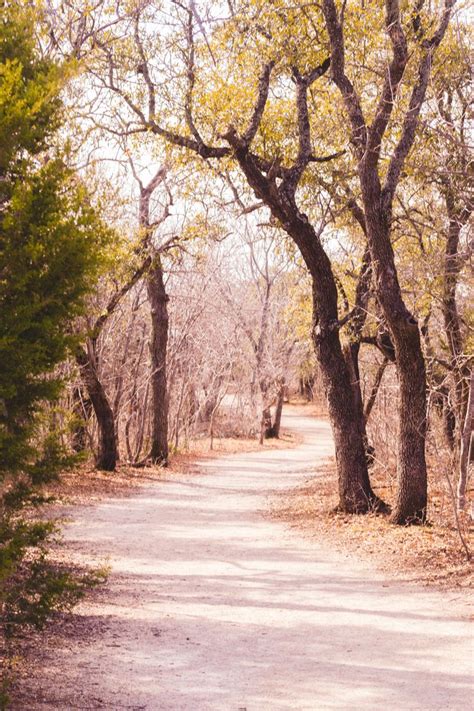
pixel 215 604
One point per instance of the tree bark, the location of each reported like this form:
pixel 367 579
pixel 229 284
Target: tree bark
pixel 410 506
pixel 355 492
pixel 82 409
pixel 158 346
pixel 107 456
pixel 275 429
pixel 351 354
pixel 466 446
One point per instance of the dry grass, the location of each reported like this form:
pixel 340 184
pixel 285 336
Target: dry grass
pixel 430 554
pixel 232 445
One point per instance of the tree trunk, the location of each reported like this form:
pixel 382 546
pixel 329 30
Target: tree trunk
pixel 412 492
pixel 265 424
pixel 452 323
pixel 271 429
pixel 107 456
pixel 466 447
pixel 346 416
pixel 158 345
pixel 82 409
pixel 355 492
pixel 351 353
pixel 412 497
pixel 344 406
pixel 278 411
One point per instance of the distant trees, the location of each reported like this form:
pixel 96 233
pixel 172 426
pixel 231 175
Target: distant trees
pixel 142 260
pixel 451 179
pixel 259 300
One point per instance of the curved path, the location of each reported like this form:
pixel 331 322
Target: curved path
pixel 212 607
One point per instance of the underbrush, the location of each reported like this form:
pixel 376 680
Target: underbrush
pixel 34 586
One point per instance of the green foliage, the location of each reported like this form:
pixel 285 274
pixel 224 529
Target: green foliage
pixel 29 90
pixel 41 588
pixel 52 245
pixel 49 250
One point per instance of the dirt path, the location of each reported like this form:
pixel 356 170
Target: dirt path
pixel 212 607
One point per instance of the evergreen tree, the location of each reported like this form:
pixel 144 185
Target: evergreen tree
pixel 51 247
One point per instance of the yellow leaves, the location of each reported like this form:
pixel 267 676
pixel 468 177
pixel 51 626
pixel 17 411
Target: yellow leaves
pixel 299 312
pixel 278 30
pixel 453 57
pixel 226 102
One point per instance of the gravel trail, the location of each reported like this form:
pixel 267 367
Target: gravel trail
pixel 210 606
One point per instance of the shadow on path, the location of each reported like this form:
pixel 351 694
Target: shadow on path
pixel 211 607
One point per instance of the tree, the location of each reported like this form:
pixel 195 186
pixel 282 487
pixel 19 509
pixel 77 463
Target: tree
pixel 51 249
pixel 466 446
pixel 258 307
pixel 378 190
pixel 453 177
pixel 158 299
pixel 139 259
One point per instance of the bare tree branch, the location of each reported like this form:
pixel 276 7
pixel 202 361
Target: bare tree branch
pixel 144 71
pixel 336 37
pixel 410 123
pixel 259 108
pixel 393 77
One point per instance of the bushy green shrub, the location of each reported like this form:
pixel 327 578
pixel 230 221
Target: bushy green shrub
pixel 52 244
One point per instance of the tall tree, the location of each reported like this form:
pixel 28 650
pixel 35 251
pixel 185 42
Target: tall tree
pixel 453 175
pixel 378 189
pixel 51 245
pixel 158 299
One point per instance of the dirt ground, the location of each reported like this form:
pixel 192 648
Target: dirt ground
pixel 213 605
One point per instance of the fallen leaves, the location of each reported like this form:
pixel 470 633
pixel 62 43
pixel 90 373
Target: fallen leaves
pixel 430 554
